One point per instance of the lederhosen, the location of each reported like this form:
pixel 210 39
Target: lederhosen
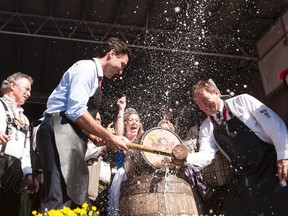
pixel 11 172
pixel 254 188
pixel 71 146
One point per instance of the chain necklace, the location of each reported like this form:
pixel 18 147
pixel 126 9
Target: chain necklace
pixel 18 119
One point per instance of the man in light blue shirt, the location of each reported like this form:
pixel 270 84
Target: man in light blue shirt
pixel 69 118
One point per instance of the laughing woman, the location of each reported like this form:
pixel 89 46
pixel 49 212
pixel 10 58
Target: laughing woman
pixel 129 125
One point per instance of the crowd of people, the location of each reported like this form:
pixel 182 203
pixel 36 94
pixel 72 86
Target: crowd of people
pixel 80 158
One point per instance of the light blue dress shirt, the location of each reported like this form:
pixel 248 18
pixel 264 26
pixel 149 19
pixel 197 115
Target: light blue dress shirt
pixel 76 86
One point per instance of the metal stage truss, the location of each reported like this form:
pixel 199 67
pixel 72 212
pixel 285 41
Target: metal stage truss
pixel 56 28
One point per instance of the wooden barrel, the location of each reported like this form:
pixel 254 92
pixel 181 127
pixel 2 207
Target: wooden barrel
pixel 152 195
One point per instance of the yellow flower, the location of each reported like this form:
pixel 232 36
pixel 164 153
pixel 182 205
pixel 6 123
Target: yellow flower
pixel 54 212
pixel 83 212
pixel 77 210
pixel 66 211
pixel 84 205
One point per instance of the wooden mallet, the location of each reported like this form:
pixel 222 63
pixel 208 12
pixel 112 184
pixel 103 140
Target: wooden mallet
pixel 178 154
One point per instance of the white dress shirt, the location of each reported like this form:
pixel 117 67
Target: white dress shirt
pixel 266 124
pixel 19 144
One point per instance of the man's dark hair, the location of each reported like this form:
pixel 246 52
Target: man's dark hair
pixel 204 84
pixel 115 43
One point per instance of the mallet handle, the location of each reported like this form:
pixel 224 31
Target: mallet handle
pixel 143 148
pixel 148 149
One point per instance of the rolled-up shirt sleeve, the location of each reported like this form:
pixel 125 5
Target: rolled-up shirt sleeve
pixel 76 86
pixel 199 160
pixel 83 83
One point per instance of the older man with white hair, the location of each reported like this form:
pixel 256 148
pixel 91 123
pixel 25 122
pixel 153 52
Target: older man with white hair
pixel 15 163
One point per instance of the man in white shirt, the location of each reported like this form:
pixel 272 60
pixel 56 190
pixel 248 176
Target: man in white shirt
pixel 255 140
pixel 15 163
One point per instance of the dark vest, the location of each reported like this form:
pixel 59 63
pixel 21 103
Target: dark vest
pixel 254 187
pixel 94 102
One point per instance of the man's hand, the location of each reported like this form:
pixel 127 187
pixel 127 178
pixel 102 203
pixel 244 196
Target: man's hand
pixel 118 143
pixel 97 140
pixel 87 123
pixel 4 138
pixel 115 143
pixel 31 186
pixel 283 169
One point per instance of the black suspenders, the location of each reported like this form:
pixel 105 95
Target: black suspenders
pixel 9 121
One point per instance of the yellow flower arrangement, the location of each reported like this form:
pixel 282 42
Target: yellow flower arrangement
pixel 86 210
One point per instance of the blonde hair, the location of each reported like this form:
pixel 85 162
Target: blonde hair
pixel 166 121
pixel 140 132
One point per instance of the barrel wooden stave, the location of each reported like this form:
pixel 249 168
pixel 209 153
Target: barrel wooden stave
pixel 146 195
